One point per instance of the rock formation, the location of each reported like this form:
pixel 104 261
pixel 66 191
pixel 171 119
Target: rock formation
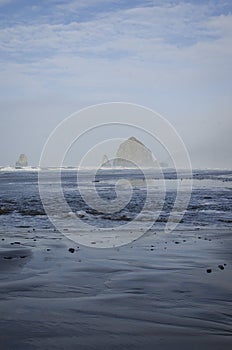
pixel 22 161
pixel 106 163
pixel 132 153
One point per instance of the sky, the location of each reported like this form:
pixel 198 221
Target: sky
pixel 58 56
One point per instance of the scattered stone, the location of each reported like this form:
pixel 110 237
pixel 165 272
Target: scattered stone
pixel 93 242
pixel 224 264
pixel 152 249
pixel 221 267
pixel 209 270
pixel 23 256
pixel 3 239
pixel 177 242
pixel 8 257
pixel 48 249
pixel 71 250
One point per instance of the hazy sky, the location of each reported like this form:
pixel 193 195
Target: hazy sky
pixel 172 56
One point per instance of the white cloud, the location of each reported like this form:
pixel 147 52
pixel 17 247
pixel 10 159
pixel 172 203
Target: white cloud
pixel 173 58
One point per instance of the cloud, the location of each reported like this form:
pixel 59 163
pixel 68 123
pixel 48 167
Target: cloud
pixel 5 2
pixel 174 56
pixel 139 34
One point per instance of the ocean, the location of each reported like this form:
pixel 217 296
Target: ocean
pixel 210 204
pixel 157 289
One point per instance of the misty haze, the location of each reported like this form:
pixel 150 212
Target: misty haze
pixel 116 175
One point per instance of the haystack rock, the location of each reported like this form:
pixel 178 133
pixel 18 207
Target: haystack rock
pixel 132 153
pixel 22 161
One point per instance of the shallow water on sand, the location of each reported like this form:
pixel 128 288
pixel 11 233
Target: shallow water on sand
pixel 162 291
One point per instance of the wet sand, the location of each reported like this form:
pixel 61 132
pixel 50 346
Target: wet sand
pixel 163 291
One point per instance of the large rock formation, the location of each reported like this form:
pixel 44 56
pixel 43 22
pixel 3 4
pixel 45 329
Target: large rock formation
pixel 132 153
pixel 22 161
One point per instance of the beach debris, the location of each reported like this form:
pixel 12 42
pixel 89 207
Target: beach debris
pixel 221 267
pixel 71 250
pixel 209 270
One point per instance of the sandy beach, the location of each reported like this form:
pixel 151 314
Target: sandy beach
pixel 164 291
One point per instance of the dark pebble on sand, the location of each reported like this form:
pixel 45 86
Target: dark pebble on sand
pixel 71 250
pixel 177 242
pixel 3 239
pixel 48 249
pixel 8 257
pixel 224 264
pixel 209 270
pixel 221 267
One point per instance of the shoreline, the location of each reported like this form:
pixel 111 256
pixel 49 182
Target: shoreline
pixel 155 291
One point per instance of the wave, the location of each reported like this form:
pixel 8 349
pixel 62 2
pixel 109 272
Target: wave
pixel 11 168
